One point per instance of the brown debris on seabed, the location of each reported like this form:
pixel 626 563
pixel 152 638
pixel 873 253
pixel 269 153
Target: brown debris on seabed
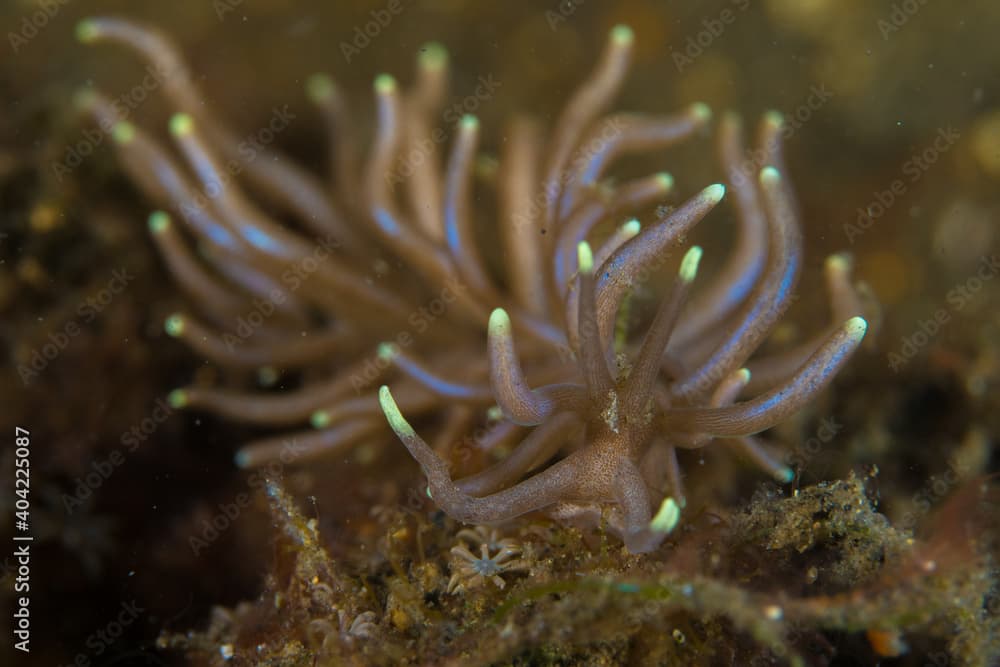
pixel 766 585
